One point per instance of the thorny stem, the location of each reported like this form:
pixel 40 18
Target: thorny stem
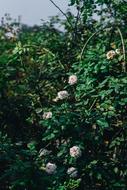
pixel 123 46
pixel 87 43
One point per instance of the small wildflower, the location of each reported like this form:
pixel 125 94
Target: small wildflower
pixel 50 168
pixel 47 115
pixel 72 79
pixel 63 94
pixel 72 172
pixel 110 54
pixel 75 152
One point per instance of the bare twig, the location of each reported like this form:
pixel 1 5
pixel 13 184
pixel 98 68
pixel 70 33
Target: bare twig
pixel 61 12
pixel 77 19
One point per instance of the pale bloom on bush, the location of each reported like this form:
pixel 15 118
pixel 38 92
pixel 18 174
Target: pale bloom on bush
pixel 50 168
pixel 62 95
pixel 117 51
pixel 44 152
pixel 65 142
pixel 72 79
pixel 9 35
pixel 75 152
pixel 56 99
pixel 94 126
pixel 110 54
pixel 72 172
pixel 47 115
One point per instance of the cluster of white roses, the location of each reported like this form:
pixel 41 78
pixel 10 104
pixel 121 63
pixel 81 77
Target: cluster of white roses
pixel 75 151
pixel 61 95
pixel 111 54
pixel 51 168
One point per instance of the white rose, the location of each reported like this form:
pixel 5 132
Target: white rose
pixel 50 168
pixel 47 115
pixel 72 172
pixel 75 152
pixel 110 54
pixel 72 79
pixel 62 94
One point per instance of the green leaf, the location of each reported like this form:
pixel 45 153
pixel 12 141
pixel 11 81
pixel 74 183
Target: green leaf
pixel 102 123
pixel 49 137
pixel 38 110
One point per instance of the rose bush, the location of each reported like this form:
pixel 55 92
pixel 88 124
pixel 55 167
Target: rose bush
pixel 63 101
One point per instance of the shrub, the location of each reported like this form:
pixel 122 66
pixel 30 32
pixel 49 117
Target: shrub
pixel 64 102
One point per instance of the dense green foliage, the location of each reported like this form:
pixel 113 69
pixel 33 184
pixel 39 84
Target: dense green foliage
pixel 63 100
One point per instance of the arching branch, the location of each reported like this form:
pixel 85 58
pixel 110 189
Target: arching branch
pixel 61 12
